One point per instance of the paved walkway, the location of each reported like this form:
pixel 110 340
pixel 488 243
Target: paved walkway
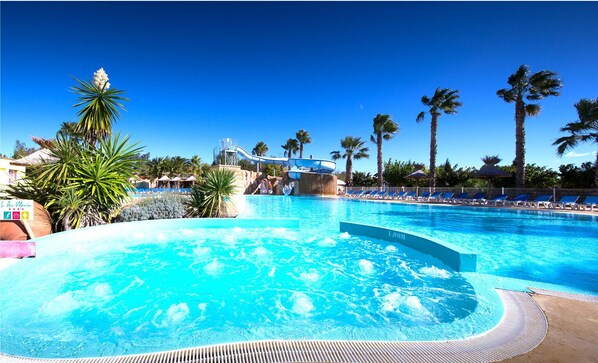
pixel 572 332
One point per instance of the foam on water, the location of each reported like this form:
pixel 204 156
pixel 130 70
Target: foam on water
pixel 302 304
pixel 435 272
pixel 327 242
pixel 390 248
pixel 310 276
pixel 214 267
pixel 366 267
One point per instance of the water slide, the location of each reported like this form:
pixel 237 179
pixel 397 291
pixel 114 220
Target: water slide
pixel 314 165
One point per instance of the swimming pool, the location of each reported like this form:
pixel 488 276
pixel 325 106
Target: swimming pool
pixel 159 285
pixel 516 248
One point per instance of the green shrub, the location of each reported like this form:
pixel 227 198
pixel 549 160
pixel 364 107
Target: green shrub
pixel 166 206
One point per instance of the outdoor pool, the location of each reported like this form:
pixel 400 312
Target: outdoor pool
pixel 160 285
pixel 519 248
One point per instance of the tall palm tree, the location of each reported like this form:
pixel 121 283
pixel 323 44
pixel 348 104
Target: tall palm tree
pixel 303 138
pixel 154 168
pixel 291 147
pixel 194 165
pixel 384 129
pixel 445 100
pixel 585 129
pixel 354 149
pixel 100 107
pixel 260 149
pixel 532 88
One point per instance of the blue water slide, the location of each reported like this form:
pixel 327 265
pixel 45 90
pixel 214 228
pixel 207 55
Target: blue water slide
pixel 314 165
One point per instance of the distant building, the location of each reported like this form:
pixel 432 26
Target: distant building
pixel 9 174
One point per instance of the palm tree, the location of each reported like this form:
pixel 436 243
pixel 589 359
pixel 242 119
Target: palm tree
pixel 291 147
pixel 100 107
pixel 194 165
pixel 446 101
pixel 154 168
pixel 384 129
pixel 532 88
pixel 354 149
pixel 260 149
pixel 303 138
pixel 585 129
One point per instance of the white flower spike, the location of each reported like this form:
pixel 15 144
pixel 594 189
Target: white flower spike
pixel 100 78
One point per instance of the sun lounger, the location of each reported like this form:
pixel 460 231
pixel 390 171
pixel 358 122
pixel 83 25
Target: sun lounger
pixel 390 195
pixel 381 194
pixel 410 195
pixel 446 197
pixel 566 200
pixel 477 198
pixel 541 200
pixel 459 198
pixel 400 195
pixel 423 196
pixel 434 197
pixel 590 201
pixel 357 194
pixel 497 199
pixel 518 200
pixel 366 194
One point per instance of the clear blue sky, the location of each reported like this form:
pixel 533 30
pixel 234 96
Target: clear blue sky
pixel 197 72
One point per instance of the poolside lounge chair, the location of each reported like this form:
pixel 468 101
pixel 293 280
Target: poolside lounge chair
pixel 410 195
pixel 391 195
pixel 590 201
pixel 434 197
pixel 566 200
pixel 477 198
pixel 381 194
pixel 357 194
pixel 501 198
pixel 366 194
pixel 518 200
pixel 540 200
pixel 423 196
pixel 373 194
pixel 446 197
pixel 349 193
pixel 399 195
pixel 459 198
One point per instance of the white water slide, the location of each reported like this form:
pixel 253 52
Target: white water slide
pixel 314 165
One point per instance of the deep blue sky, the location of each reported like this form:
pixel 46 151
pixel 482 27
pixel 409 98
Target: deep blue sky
pixel 197 72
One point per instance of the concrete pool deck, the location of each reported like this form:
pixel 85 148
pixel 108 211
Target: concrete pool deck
pixel 572 330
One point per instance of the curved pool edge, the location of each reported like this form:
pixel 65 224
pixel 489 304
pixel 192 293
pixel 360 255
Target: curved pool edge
pixel 522 328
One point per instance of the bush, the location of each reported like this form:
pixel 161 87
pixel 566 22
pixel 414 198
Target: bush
pixel 158 207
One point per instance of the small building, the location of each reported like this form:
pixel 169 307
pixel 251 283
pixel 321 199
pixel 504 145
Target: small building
pixel 9 173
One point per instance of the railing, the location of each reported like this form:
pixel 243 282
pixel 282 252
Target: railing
pixel 160 190
pixel 556 193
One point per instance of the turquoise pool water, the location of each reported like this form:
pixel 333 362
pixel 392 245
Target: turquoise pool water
pixel 159 285
pixel 516 248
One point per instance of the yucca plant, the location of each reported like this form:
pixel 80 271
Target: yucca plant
pixel 217 189
pixel 195 203
pixel 100 107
